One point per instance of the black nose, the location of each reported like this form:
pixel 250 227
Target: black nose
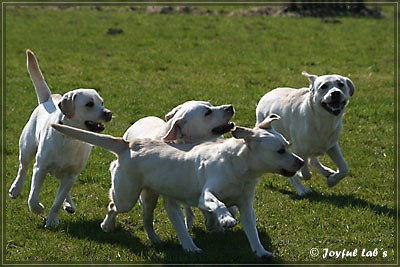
pixel 335 95
pixel 230 109
pixel 107 115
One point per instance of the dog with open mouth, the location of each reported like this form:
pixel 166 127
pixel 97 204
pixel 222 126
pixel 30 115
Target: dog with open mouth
pixel 312 122
pixel 210 175
pixel 55 153
pixel 192 122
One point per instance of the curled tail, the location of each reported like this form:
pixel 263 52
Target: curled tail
pixel 111 143
pixel 43 92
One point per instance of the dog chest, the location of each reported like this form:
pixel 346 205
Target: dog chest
pixel 68 160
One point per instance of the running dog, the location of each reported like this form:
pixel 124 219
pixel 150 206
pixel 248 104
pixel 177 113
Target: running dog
pixel 55 153
pixel 312 122
pixel 211 175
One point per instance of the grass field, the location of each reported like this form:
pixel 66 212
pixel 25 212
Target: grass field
pixel 160 61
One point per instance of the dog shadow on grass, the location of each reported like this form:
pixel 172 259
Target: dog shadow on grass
pixel 340 201
pixel 229 247
pixel 90 230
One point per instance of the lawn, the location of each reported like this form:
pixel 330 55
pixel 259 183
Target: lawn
pixel 160 61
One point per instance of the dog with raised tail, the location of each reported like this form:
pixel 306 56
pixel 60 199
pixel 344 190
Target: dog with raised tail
pixel 312 122
pixel 55 153
pixel 211 175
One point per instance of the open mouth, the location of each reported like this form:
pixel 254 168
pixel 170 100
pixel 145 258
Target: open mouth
pixel 224 128
pixel 93 126
pixel 334 107
pixel 287 173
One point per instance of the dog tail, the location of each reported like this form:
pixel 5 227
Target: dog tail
pixel 43 92
pixel 111 143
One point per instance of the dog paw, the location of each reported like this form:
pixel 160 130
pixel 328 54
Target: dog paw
pixel 194 249
pixel 37 208
pixel 267 255
pixel 154 238
pixel 107 227
pixel 14 192
pixel 304 191
pixel 69 208
pixel 13 195
pixel 334 179
pixel 327 172
pixel 227 221
pixel 51 222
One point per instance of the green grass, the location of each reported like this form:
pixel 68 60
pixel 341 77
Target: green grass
pixel 160 61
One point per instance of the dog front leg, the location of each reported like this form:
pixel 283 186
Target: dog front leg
pixel 63 191
pixel 211 203
pixel 343 169
pixel 248 219
pixel 325 171
pixel 175 215
pixel 300 188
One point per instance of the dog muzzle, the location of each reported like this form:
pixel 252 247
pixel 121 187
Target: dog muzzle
pixel 334 108
pixel 224 128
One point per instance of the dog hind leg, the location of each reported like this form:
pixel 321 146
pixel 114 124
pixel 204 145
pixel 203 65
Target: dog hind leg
pixel 27 151
pixel 149 202
pixel 69 204
pixel 123 198
pixel 38 177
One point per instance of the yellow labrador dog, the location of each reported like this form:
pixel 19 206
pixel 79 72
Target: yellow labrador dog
pixel 210 175
pixel 312 122
pixel 54 152
pixel 191 122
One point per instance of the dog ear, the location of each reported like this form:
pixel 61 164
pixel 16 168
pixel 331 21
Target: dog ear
pixel 172 113
pixel 243 133
pixel 67 105
pixel 311 77
pixel 351 86
pixel 174 130
pixel 266 123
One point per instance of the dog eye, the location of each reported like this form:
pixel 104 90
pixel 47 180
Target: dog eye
pixel 90 104
pixel 209 111
pixel 324 86
pixel 340 84
pixel 281 151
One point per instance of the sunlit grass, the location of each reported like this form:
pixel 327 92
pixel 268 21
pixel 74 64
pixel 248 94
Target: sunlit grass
pixel 160 61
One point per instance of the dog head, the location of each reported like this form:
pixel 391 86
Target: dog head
pixel 195 121
pixel 268 149
pixel 83 108
pixel 332 92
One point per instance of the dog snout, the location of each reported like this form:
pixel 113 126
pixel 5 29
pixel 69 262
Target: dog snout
pixel 229 109
pixel 107 115
pixel 336 96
